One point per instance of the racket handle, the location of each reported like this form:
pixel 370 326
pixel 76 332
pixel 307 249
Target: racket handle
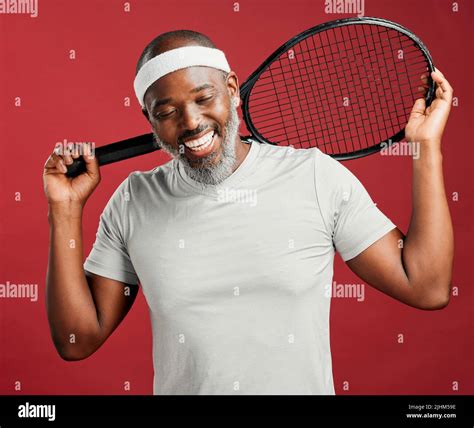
pixel 116 152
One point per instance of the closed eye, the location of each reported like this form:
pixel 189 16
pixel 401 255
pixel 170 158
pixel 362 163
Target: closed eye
pixel 167 114
pixel 163 115
pixel 202 100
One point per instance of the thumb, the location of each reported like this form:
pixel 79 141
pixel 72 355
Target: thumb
pixel 418 109
pixel 92 163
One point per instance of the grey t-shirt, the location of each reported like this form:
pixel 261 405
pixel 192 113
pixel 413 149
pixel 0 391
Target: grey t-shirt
pixel 236 276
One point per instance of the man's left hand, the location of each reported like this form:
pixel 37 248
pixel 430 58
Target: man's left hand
pixel 426 125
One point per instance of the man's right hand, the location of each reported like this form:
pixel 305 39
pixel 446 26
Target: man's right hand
pixel 59 188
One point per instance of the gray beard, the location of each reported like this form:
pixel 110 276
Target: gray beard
pixel 203 170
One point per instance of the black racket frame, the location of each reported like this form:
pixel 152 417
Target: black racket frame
pixel 247 86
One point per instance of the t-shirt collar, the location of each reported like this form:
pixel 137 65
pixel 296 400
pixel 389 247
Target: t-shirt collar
pixel 236 177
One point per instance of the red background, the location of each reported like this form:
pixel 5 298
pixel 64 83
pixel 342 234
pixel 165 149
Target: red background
pixel 83 100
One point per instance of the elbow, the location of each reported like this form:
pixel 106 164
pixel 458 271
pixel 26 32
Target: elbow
pixel 435 301
pixel 70 354
pixel 74 351
pixel 433 291
pixel 436 305
pixel 75 346
pixel 65 356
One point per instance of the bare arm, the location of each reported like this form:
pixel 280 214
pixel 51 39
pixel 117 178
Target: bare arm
pixel 418 272
pixel 82 311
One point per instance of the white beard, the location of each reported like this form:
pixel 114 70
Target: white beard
pixel 203 170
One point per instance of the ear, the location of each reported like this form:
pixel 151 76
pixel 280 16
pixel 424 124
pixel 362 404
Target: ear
pixel 232 83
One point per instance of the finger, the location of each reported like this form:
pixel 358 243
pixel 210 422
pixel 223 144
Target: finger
pixel 61 166
pixel 437 77
pixel 439 92
pixel 424 79
pixel 54 170
pixel 439 72
pixel 55 162
pixel 76 152
pixel 443 89
pixel 418 109
pixel 50 162
pixel 441 81
pixel 92 163
pixel 67 156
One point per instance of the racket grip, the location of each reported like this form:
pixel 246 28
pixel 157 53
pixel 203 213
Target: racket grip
pixel 115 152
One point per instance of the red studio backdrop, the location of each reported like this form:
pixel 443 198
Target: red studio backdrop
pixel 67 75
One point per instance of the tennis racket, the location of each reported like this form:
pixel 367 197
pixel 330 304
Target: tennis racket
pixel 345 86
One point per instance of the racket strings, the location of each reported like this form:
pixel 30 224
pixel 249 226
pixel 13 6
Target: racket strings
pixel 325 98
pixel 344 89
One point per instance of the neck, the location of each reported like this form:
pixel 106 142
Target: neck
pixel 241 150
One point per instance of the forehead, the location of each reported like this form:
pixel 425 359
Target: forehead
pixel 180 83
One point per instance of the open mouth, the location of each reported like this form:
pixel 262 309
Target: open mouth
pixel 203 145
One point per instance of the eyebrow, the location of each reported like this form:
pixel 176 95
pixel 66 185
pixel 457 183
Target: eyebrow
pixel 156 103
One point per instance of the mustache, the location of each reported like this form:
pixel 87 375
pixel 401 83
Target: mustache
pixel 190 134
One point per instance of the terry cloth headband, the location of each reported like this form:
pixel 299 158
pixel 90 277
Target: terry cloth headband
pixel 175 59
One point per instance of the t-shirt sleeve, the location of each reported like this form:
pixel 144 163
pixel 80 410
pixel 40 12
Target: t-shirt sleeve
pixel 353 220
pixel 109 256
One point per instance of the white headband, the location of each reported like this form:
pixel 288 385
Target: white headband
pixel 175 59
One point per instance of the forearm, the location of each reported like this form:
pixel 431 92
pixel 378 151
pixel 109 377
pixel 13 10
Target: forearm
pixel 71 310
pixel 428 248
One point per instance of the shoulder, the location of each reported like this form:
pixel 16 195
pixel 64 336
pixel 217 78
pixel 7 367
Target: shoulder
pixel 284 152
pixel 278 159
pixel 326 169
pixel 331 173
pixel 159 172
pixel 141 182
pixel 334 183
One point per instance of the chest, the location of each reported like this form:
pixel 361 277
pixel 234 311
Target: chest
pixel 196 251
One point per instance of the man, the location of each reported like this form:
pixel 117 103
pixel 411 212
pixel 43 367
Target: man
pixel 237 289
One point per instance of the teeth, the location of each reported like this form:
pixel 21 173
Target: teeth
pixel 201 143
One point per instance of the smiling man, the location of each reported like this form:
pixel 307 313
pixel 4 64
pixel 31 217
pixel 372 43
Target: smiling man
pixel 209 147
pixel 237 291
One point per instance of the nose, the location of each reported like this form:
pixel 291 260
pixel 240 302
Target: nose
pixel 190 118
